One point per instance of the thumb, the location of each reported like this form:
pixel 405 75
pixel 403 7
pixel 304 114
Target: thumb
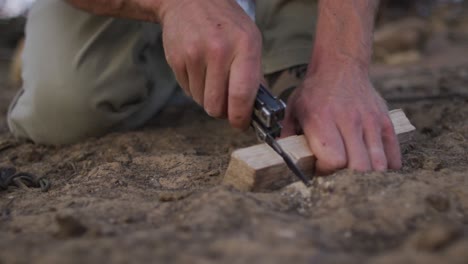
pixel 290 122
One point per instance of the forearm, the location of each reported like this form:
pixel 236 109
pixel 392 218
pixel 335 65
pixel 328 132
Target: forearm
pixel 344 34
pixel 146 10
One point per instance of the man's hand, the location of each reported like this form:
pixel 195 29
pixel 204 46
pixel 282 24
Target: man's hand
pixel 345 122
pixel 344 119
pixel 214 49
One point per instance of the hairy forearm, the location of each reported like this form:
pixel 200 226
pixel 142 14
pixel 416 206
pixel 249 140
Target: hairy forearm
pixel 344 33
pixel 146 10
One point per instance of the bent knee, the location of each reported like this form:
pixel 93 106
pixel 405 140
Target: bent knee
pixel 66 108
pixel 53 117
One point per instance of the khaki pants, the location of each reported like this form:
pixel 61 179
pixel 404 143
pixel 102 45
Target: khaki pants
pixel 86 75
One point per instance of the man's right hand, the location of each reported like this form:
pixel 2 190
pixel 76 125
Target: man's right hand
pixel 214 49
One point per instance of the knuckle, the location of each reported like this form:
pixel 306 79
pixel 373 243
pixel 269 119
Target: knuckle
pixel 372 124
pixel 387 124
pixel 372 119
pixel 250 38
pixel 218 48
pixel 245 38
pixel 317 115
pixel 240 94
pixel 354 119
pixel 192 52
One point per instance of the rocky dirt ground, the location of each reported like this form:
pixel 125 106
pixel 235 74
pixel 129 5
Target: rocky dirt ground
pixel 155 195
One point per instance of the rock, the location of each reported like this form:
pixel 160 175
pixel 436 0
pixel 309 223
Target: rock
pixel 298 188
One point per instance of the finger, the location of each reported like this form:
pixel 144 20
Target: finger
pixel 375 147
pixel 391 145
pixel 215 101
pixel 289 123
pixel 326 142
pixel 244 81
pixel 181 74
pixel 184 83
pixel 196 77
pixel 356 151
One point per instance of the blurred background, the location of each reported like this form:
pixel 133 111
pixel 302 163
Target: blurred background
pixel 11 31
pixel 407 31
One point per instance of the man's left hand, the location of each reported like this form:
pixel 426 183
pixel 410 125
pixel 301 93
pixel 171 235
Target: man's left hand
pixel 345 121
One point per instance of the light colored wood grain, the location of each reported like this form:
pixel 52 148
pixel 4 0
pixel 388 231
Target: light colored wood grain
pixel 260 168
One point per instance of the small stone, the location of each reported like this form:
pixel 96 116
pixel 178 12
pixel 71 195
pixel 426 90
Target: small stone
pixel 298 188
pixel 328 186
pixel 320 180
pixel 120 183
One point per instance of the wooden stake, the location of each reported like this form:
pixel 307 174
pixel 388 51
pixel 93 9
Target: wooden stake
pixel 259 168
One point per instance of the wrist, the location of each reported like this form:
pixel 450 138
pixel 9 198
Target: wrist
pixel 334 59
pixel 153 10
pixel 162 8
pixel 344 36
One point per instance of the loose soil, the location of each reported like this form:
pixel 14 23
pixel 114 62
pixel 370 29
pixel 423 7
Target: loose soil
pixel 155 195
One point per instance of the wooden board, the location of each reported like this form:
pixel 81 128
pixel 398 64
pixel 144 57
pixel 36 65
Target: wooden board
pixel 260 168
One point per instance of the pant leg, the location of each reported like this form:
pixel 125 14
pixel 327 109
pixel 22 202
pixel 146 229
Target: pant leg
pixel 85 75
pixel 288 28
